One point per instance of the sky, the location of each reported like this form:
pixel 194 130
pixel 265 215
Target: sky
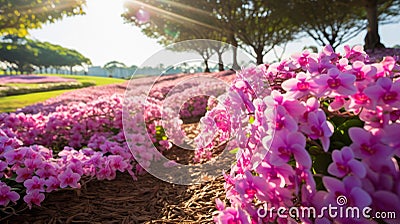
pixel 102 36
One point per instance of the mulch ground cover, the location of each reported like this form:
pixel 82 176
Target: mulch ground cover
pixel 148 200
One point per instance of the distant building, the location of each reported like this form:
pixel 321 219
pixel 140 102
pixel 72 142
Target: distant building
pixel 114 72
pixel 118 72
pixel 97 71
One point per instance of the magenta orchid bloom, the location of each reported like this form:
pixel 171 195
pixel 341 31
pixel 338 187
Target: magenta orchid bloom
pixel 6 195
pixel 391 138
pixel 342 194
pixel 232 216
pixel 318 128
pixel 47 170
pixel 300 86
pixel 118 163
pixel 364 73
pixel 52 183
pixel 344 164
pixel 34 197
pixel 365 145
pixel 69 178
pixel 390 66
pixel 338 103
pixel 303 58
pixel 343 65
pixel 359 101
pixel 283 121
pixel 384 92
pixel 293 107
pixel 328 54
pixel 288 145
pixel 355 53
pixel 34 184
pixel 350 187
pixel 15 156
pixel 23 174
pixel 336 82
pixel 246 187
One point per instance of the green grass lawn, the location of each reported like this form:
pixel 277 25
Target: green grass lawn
pixel 11 103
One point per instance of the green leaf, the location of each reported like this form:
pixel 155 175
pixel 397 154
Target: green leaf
pixel 321 163
pixel 315 150
pixel 341 136
pixel 251 119
pixel 234 151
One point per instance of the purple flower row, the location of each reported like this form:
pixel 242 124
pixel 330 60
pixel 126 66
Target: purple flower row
pixel 32 79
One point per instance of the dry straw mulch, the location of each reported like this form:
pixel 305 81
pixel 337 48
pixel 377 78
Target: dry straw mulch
pixel 123 200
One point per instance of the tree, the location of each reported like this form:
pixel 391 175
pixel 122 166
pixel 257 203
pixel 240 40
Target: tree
pixel 26 54
pixel 18 16
pixel 18 53
pixel 255 25
pixel 172 22
pixel 51 55
pixel 376 11
pixel 203 48
pixel 258 25
pixel 327 22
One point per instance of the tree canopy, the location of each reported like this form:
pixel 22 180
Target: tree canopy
pixel 327 22
pixel 25 54
pixel 257 26
pixel 18 16
pixel 254 25
pixel 335 22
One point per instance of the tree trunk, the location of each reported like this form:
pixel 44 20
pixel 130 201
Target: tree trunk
pixel 259 56
pixel 235 65
pixel 220 62
pixel 70 70
pixel 207 68
pixel 372 39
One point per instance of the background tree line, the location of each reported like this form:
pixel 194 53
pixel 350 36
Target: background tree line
pixel 258 26
pixel 18 16
pixel 21 54
pixel 24 55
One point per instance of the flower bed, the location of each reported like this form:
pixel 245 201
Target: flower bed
pixel 31 79
pixel 12 89
pixel 72 138
pixel 329 133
